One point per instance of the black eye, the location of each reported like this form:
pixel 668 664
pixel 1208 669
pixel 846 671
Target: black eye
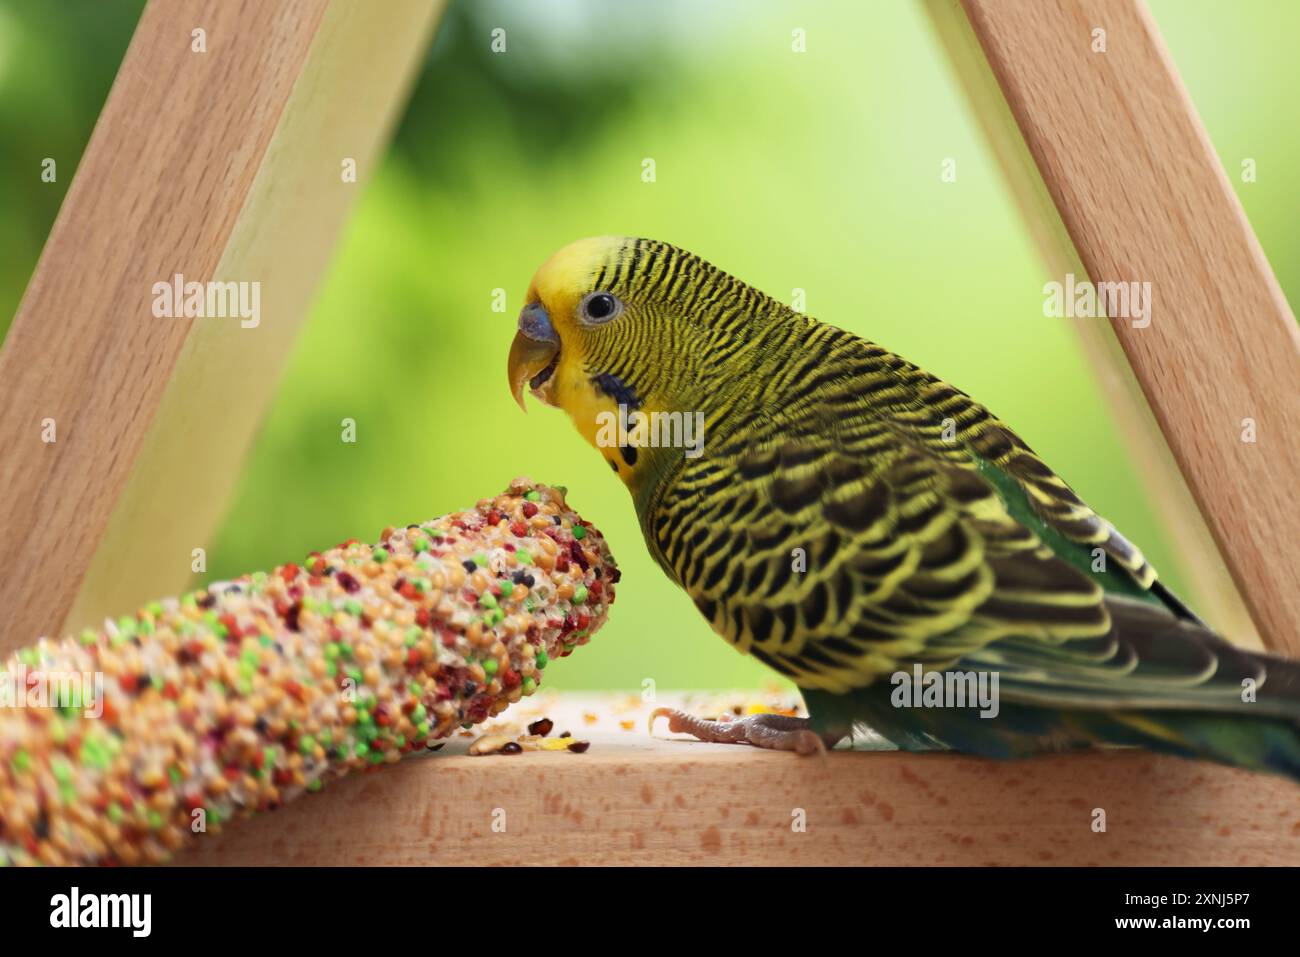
pixel 601 307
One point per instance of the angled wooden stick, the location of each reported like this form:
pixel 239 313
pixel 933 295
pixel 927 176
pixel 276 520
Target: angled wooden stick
pixel 217 157
pixel 1210 585
pixel 1142 198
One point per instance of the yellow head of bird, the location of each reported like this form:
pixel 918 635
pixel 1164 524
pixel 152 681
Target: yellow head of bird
pixel 618 331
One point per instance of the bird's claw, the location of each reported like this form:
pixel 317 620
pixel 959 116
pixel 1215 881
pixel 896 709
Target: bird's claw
pixel 772 731
pixel 677 720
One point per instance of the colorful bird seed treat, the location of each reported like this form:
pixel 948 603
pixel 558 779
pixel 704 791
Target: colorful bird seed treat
pixel 240 697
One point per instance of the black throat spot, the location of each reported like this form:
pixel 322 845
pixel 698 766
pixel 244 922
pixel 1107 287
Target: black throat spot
pixel 622 393
pixel 618 390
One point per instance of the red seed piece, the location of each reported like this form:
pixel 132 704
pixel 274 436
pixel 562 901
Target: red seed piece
pixel 542 727
pixel 579 555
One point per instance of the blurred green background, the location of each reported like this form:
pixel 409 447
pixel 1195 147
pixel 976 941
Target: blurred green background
pixel 817 170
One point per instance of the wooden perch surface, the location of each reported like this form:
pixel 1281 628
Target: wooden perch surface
pixel 632 800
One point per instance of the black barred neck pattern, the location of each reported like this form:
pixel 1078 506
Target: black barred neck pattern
pixel 694 325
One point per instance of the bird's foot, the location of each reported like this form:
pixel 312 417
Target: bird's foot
pixel 775 731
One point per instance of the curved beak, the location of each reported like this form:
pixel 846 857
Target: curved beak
pixel 535 351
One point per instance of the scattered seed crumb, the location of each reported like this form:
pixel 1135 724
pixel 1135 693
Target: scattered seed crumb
pixel 491 744
pixel 579 747
pixel 542 727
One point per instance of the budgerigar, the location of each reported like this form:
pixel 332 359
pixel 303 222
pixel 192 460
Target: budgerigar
pixel 930 534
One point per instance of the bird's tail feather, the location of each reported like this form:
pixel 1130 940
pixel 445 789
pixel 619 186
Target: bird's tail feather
pixel 1255 743
pixel 1155 680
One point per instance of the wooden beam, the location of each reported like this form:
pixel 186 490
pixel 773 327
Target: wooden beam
pixel 1142 197
pixel 1210 587
pixel 636 800
pixel 226 165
